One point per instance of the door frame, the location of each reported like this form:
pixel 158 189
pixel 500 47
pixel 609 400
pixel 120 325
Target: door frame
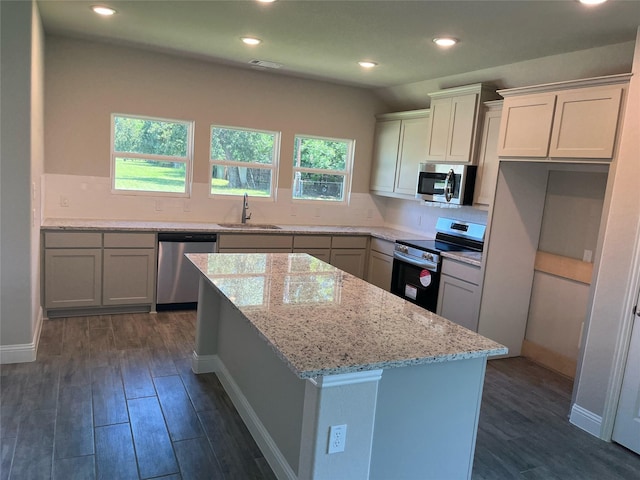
pixel 622 346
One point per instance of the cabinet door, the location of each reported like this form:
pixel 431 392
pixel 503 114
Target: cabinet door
pixel 349 260
pixel 128 276
pixel 72 277
pixel 461 128
pixel 385 156
pixel 379 271
pixel 585 123
pixel 525 127
pixel 459 301
pixel 439 125
pixel 413 150
pixel 488 161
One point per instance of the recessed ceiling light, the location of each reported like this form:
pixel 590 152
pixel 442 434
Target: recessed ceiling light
pixel 445 41
pixel 251 40
pixel 102 10
pixel 367 64
pixel 592 2
pixel 266 1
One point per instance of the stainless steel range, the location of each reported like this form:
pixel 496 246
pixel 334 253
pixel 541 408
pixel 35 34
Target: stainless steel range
pixel 417 263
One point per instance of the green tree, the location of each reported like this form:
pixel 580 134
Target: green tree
pixel 136 135
pixel 320 154
pixel 241 146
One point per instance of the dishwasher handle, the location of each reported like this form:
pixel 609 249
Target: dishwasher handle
pixel 185 237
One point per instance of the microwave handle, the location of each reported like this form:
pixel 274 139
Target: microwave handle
pixel 448 185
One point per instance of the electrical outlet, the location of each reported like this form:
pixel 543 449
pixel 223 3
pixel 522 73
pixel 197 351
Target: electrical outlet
pixel 337 438
pixel 587 256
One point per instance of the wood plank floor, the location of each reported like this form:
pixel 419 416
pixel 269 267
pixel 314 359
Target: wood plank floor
pixel 113 397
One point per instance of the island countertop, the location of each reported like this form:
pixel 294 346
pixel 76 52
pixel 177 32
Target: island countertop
pixel 322 321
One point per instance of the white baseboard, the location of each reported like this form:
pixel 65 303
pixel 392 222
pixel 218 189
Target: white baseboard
pixel 23 352
pixel 586 420
pixel 204 363
pixel 268 447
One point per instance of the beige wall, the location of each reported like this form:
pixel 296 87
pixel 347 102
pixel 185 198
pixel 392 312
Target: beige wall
pixel 22 157
pixel 608 325
pixel 595 62
pixel 572 211
pixel 86 82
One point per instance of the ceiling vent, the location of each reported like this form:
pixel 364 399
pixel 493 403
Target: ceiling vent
pixel 265 64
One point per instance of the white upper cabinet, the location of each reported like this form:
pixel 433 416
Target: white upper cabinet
pixel 400 147
pixel 488 161
pixel 568 120
pixel 385 155
pixel 585 123
pixel 453 130
pixel 526 126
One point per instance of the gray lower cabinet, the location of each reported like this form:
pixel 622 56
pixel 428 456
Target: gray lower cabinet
pixel 85 270
pixel 317 245
pixel 73 277
pixel 460 293
pixel 254 243
pixel 380 263
pixel 128 276
pixel 349 253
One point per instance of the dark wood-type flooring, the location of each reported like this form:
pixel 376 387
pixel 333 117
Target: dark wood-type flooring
pixel 113 397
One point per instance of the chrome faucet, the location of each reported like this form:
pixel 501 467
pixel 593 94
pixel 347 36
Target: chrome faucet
pixel 245 207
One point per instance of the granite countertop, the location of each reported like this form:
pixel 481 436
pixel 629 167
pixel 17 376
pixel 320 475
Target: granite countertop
pixel 384 233
pixel 323 321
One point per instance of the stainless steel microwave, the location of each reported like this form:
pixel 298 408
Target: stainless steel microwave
pixel 439 182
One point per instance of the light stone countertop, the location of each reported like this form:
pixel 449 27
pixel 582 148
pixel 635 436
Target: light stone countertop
pixel 323 321
pixel 384 233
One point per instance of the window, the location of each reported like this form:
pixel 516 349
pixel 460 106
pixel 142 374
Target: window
pixel 151 155
pixel 322 168
pixel 243 161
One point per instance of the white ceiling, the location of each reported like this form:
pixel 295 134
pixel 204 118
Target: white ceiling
pixel 325 39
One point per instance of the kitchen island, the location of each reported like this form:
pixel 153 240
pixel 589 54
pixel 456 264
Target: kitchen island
pixel 301 346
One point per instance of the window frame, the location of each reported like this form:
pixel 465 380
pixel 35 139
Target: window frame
pixel 233 163
pixel 347 173
pixel 188 160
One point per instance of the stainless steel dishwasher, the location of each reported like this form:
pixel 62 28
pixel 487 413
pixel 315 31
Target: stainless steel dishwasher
pixel 177 286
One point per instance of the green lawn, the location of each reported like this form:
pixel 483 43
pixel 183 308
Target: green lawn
pixel 135 174
pixel 141 175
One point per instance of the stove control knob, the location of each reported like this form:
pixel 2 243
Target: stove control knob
pixel 428 256
pixel 403 248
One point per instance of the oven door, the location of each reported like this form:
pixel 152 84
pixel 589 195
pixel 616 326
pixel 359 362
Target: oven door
pixel 416 282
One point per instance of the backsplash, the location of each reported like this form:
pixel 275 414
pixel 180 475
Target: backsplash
pixel 84 197
pixel 421 217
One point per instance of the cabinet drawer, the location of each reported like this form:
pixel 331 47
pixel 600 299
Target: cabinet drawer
pixel 382 246
pixel 235 241
pixel 463 271
pixel 129 240
pixel 312 241
pixel 349 242
pixel 72 240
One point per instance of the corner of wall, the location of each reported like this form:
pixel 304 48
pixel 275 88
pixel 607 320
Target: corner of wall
pixel 26 352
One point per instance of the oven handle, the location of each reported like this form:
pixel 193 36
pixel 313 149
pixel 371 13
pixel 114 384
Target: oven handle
pixel 417 263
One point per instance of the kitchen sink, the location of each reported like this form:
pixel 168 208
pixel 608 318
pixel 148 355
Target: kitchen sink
pixel 250 226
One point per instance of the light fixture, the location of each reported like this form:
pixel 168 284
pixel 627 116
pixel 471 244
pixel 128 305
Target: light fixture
pixel 367 64
pixel 266 1
pixel 102 10
pixel 251 40
pixel 592 2
pixel 445 41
